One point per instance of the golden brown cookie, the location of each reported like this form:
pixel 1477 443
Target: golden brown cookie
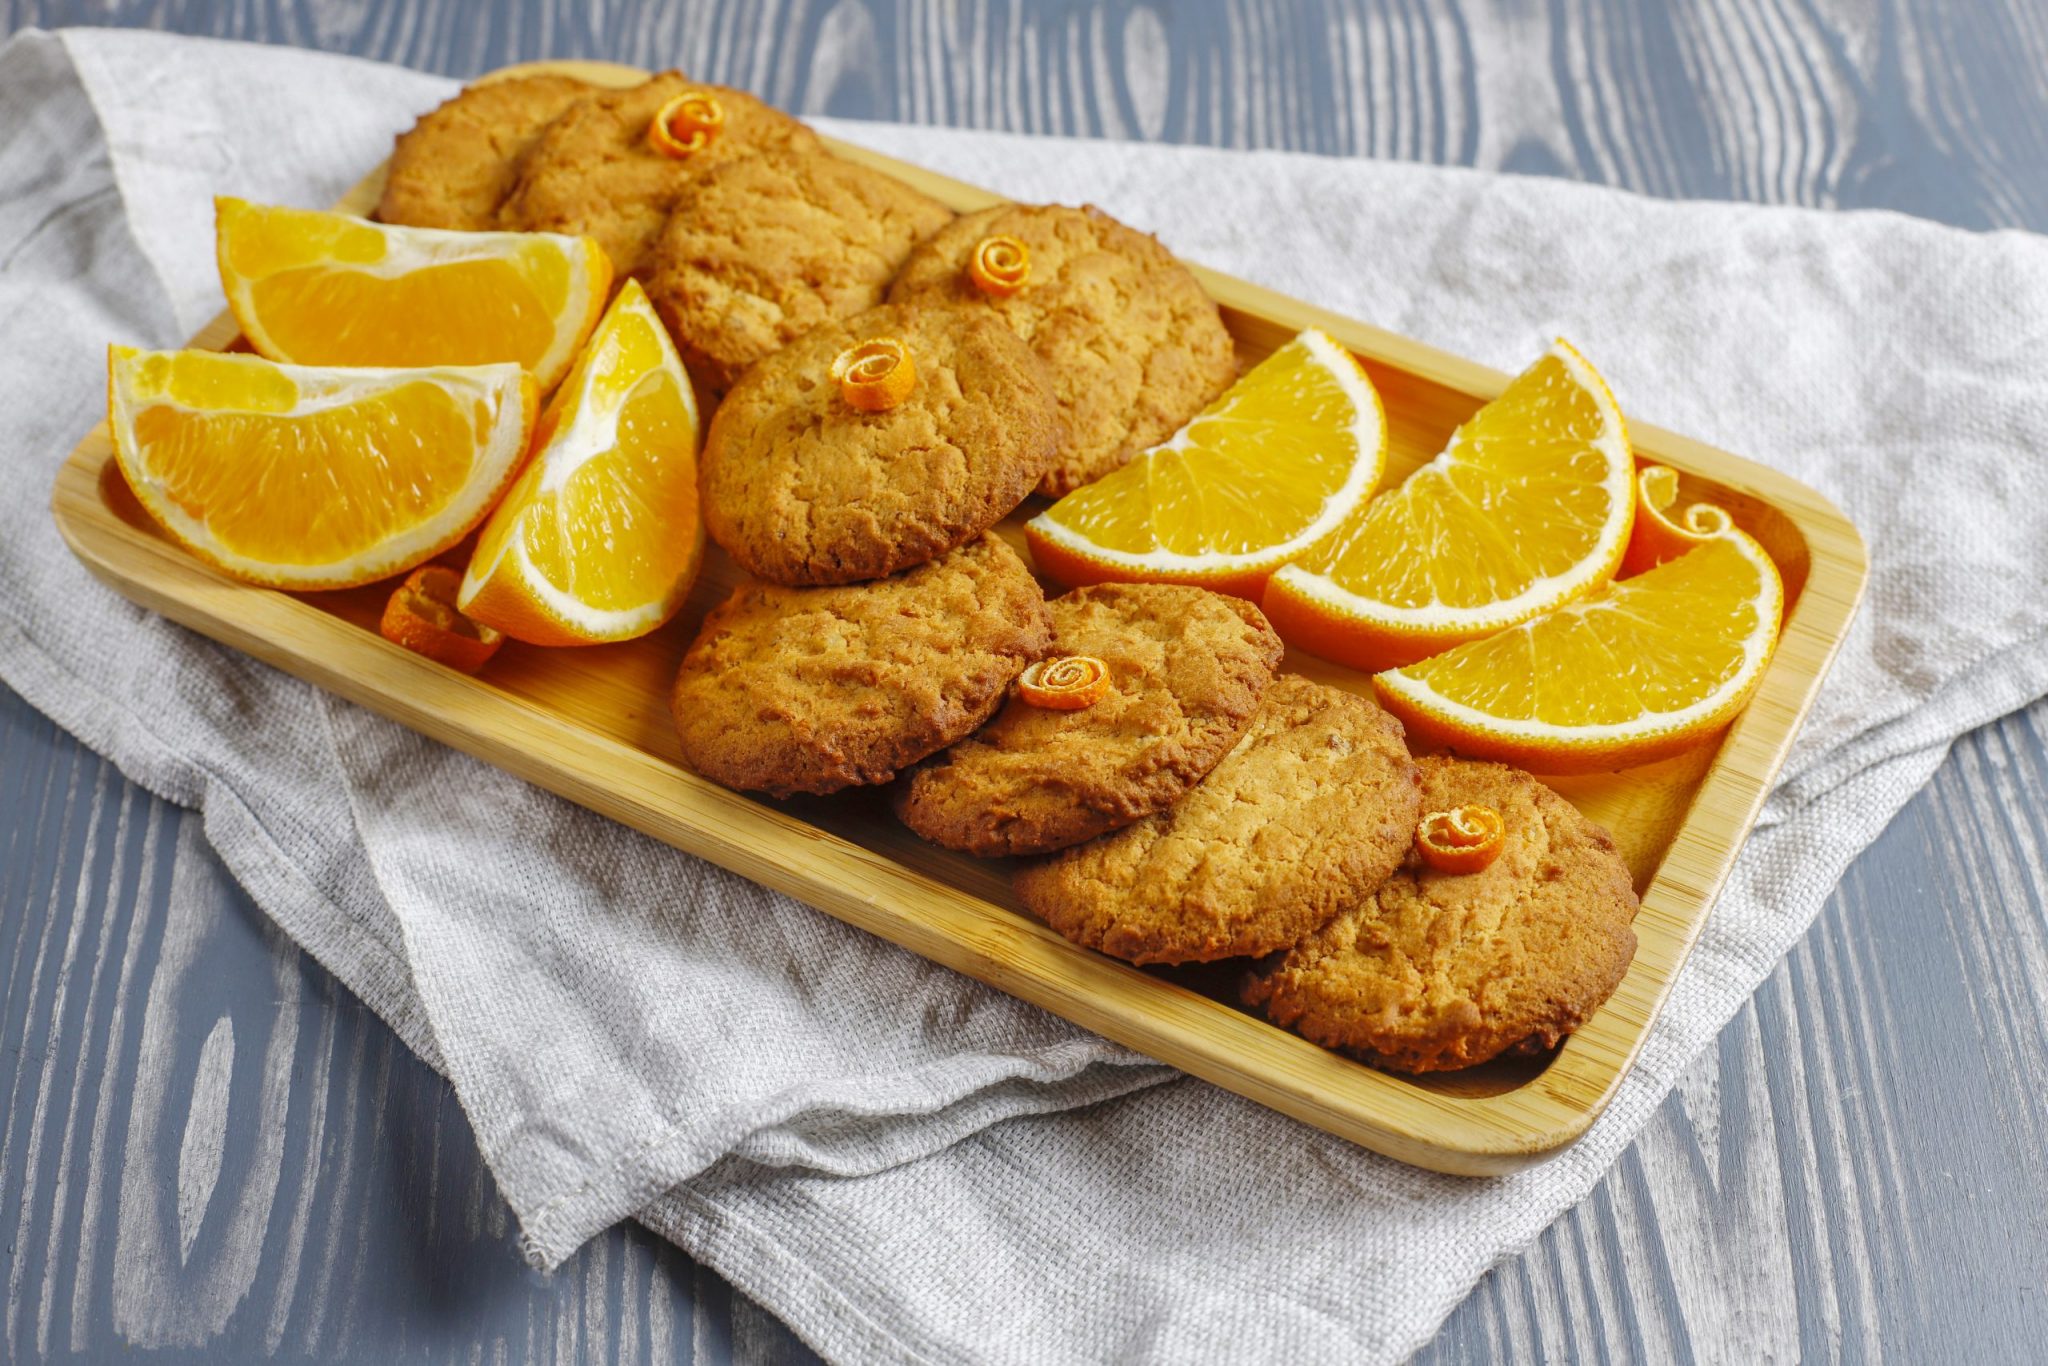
pixel 593 172
pixel 457 164
pixel 801 487
pixel 791 690
pixel 1315 805
pixel 1187 669
pixel 1438 971
pixel 1136 348
pixel 761 250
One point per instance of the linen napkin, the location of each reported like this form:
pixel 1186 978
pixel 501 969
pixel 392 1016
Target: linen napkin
pixel 895 1160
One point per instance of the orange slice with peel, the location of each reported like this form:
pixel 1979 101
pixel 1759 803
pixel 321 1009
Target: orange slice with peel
pixel 1641 670
pixel 313 288
pixel 600 538
pixel 1528 507
pixel 1658 535
pixel 302 478
pixel 1273 465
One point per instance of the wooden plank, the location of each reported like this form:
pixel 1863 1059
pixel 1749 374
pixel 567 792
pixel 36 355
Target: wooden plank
pixel 318 1197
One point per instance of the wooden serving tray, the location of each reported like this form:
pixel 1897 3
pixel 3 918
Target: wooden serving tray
pixel 592 725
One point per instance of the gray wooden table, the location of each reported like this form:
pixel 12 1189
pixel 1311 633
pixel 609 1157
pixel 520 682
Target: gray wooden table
pixel 210 1152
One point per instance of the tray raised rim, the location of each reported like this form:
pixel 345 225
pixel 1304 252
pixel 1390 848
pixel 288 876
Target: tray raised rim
pixel 1469 1135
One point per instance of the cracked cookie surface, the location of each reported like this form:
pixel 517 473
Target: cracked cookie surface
pixel 790 690
pixel 1135 346
pixel 1312 808
pixel 800 487
pixel 1187 669
pixel 761 250
pixel 456 165
pixel 592 172
pixel 1438 971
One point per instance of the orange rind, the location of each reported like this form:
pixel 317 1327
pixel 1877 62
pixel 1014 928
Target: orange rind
pixel 1658 536
pixel 999 266
pixel 686 124
pixel 421 615
pixel 1464 839
pixel 875 375
pixel 1065 682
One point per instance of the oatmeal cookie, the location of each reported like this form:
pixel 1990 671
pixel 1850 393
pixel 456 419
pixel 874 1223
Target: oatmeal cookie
pixel 1438 970
pixel 457 164
pixel 1312 808
pixel 1135 346
pixel 760 250
pixel 791 690
pixel 592 171
pixel 801 487
pixel 1187 668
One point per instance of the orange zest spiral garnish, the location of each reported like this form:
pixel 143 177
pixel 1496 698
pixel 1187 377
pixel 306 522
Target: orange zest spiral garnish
pixel 875 375
pixel 686 124
pixel 1461 840
pixel 999 266
pixel 1659 535
pixel 1065 682
pixel 422 617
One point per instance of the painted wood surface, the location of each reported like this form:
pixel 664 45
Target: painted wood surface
pixel 238 1162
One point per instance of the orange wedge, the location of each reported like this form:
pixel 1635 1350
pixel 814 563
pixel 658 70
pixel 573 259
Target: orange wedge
pixel 1274 464
pixel 1641 670
pixel 600 538
pixel 314 288
pixel 1528 507
pixel 308 478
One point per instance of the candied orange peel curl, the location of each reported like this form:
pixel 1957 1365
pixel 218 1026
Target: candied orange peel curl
pixel 1463 839
pixel 1065 682
pixel 875 375
pixel 686 124
pixel 1000 266
pixel 422 617
pixel 1660 536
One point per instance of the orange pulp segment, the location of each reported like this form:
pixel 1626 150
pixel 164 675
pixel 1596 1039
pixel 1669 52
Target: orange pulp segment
pixel 600 539
pixel 1641 670
pixel 1273 465
pixel 301 477
pixel 1528 507
pixel 313 288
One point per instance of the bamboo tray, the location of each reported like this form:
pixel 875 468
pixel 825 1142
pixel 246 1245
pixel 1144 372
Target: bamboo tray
pixel 592 725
